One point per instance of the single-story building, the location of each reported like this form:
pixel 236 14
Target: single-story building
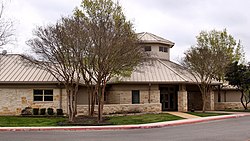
pixel 160 85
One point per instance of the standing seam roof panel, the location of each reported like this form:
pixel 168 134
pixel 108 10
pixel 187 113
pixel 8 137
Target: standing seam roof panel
pixel 9 69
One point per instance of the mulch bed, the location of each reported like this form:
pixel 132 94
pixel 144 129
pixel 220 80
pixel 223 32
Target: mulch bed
pixel 85 121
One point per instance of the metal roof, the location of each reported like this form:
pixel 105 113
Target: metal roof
pixel 14 70
pixel 156 71
pixel 146 37
pixel 159 71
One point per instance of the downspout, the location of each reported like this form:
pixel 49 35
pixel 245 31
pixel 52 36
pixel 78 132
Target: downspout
pixel 149 93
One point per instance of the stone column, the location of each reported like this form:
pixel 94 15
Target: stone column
pixel 182 99
pixel 210 101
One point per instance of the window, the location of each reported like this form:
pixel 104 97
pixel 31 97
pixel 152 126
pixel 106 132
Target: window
pixel 147 48
pixel 43 95
pixel 135 97
pixel 163 49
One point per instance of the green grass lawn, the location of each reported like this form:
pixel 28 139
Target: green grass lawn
pixel 19 121
pixel 14 121
pixel 141 119
pixel 206 114
pixel 238 110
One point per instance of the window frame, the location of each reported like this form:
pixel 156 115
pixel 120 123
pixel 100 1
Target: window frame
pixel 147 48
pixel 47 95
pixel 134 93
pixel 163 49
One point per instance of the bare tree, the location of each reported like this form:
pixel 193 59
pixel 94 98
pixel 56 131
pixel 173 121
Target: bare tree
pixel 115 50
pixel 57 49
pixel 6 28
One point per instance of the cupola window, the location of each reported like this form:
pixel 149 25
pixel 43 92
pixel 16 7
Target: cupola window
pixel 147 48
pixel 163 49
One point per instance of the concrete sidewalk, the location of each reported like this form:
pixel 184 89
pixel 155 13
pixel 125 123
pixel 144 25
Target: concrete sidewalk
pixel 123 127
pixel 183 115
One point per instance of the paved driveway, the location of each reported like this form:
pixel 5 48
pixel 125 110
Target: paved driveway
pixel 237 129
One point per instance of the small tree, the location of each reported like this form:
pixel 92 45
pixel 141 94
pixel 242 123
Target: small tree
pixel 238 75
pixel 114 49
pixel 207 60
pixel 57 48
pixel 227 50
pixel 199 62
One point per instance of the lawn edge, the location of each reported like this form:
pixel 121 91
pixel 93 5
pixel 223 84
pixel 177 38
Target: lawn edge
pixel 125 127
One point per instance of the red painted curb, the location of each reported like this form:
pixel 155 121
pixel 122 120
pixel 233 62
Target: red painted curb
pixel 124 127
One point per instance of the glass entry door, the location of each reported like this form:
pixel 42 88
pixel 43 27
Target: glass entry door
pixel 168 98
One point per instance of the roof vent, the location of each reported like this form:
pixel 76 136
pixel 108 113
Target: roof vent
pixel 4 52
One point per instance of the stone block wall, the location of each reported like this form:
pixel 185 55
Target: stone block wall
pixel 210 101
pixel 123 94
pixel 228 105
pixel 13 100
pixel 230 95
pixel 123 108
pixel 182 101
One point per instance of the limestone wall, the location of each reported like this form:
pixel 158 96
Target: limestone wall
pixel 210 101
pixel 228 105
pixel 82 96
pixel 156 53
pixel 122 94
pixel 123 108
pixel 228 96
pixel 13 100
pixel 182 101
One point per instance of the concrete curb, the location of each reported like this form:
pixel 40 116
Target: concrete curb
pixel 124 127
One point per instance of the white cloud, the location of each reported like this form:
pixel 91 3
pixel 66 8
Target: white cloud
pixel 182 20
pixel 177 20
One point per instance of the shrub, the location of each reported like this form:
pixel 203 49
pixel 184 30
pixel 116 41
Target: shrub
pixel 59 112
pixel 42 111
pixel 50 111
pixel 26 111
pixel 35 111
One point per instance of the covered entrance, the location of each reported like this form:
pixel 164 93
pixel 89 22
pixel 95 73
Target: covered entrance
pixel 168 98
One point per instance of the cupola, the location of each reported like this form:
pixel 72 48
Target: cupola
pixel 158 47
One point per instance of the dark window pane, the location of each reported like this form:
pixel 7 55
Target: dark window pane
pixel 38 92
pixel 161 49
pixel 48 98
pixel 147 48
pixel 171 89
pixel 135 96
pixel 165 49
pixel 48 92
pixel 38 98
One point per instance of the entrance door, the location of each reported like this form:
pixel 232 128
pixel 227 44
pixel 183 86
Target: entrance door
pixel 168 97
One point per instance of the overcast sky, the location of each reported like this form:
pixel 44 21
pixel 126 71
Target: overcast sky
pixel 176 20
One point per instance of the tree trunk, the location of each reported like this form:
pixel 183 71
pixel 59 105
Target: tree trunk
pixel 241 100
pixel 203 103
pixel 89 101
pixel 75 99
pixel 101 102
pixel 71 109
pixel 93 101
